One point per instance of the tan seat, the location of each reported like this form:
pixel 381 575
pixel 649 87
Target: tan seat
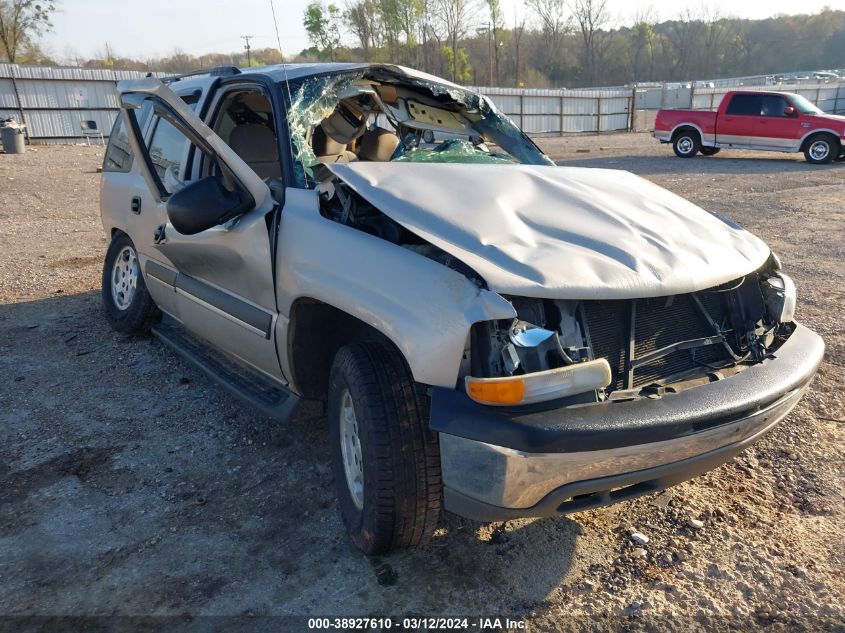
pixel 378 145
pixel 328 150
pixel 256 145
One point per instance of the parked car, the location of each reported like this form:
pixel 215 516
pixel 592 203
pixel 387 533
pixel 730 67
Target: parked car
pixel 773 121
pixel 492 334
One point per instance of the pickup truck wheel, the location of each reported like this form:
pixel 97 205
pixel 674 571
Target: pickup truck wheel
pixel 686 144
pixel 386 461
pixel 709 151
pixel 128 305
pixel 821 149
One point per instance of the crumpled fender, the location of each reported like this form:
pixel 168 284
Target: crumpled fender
pixel 423 307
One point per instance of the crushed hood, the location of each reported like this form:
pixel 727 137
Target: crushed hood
pixel 560 232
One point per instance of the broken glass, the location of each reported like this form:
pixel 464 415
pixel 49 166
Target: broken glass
pixel 452 151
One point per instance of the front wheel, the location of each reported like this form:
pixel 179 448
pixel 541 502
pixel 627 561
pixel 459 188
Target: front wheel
pixel 686 144
pixel 128 305
pixel 821 149
pixel 386 461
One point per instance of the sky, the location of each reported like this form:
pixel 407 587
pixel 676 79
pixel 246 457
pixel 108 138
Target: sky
pixel 151 28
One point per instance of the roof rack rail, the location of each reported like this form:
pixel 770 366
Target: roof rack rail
pixel 217 71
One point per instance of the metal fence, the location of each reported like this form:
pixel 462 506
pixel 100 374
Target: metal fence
pixel 560 112
pixel 53 102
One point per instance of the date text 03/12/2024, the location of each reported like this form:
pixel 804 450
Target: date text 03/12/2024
pixel 417 624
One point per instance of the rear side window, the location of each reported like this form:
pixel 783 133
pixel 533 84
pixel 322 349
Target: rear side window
pixel 774 105
pixel 745 105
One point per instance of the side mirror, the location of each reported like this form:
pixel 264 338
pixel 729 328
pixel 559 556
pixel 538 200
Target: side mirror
pixel 204 204
pixel 789 111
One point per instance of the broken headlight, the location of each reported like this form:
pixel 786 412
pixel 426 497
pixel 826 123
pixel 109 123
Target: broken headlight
pixel 539 356
pixel 780 297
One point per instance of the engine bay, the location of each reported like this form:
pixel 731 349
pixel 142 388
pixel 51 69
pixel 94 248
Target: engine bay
pixel 653 346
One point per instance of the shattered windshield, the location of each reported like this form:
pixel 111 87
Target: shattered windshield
pixel 381 114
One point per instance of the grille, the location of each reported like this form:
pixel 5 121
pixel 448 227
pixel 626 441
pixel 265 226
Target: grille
pixel 659 322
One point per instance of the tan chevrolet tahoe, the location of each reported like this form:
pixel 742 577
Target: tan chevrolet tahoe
pixel 493 335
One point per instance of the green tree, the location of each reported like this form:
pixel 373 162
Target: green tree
pixel 20 22
pixel 322 23
pixel 459 63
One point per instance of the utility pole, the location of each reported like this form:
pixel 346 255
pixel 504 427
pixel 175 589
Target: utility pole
pixel 247 38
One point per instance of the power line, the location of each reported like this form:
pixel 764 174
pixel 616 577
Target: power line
pixel 247 38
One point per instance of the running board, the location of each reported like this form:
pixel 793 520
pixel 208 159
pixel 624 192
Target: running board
pixel 266 395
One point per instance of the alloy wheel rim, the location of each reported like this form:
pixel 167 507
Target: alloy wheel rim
pixel 819 150
pixel 685 145
pixel 124 278
pixel 350 447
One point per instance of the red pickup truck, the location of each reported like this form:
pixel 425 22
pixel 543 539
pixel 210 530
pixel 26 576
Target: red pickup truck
pixel 775 121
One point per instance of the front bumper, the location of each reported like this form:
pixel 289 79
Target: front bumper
pixel 501 464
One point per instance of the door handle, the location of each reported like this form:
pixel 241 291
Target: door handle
pixel 136 204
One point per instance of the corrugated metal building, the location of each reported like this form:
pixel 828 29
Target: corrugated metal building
pixel 54 101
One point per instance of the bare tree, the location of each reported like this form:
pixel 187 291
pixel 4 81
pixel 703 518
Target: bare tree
pixel 592 16
pixel 496 24
pixel 20 22
pixel 642 43
pixel 553 19
pixel 684 37
pixel 518 31
pixel 457 19
pixel 363 20
pixel 713 36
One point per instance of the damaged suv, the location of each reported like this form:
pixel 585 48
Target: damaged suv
pixel 492 334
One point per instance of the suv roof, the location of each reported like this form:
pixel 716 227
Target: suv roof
pixel 282 72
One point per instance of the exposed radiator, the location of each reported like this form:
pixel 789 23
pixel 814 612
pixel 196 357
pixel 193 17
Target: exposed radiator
pixel 659 322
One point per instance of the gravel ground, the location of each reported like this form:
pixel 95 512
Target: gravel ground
pixel 129 486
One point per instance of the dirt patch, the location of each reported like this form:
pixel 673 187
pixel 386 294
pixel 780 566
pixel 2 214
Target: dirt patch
pixel 131 486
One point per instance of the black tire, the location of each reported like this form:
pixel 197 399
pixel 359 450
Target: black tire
pixel 820 149
pixel 686 143
pixel 709 151
pixel 400 456
pixel 139 312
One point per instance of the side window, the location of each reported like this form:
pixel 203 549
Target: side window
pixel 745 105
pixel 167 149
pixel 774 106
pixel 119 151
pixel 244 121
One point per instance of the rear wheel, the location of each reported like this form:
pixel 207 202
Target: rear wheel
pixel 128 305
pixel 821 148
pixel 709 151
pixel 386 461
pixel 686 143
